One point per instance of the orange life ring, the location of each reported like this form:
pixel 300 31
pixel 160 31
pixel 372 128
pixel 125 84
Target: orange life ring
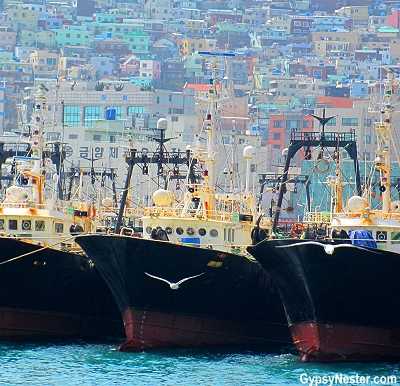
pixel 91 211
pixel 298 229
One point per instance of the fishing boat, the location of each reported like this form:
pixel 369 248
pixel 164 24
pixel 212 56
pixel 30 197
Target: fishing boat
pixel 48 286
pixel 189 282
pixel 341 292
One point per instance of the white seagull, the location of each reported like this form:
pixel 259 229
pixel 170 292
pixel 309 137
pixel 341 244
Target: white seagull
pixel 174 286
pixel 329 248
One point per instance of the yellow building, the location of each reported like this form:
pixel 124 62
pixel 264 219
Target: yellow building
pixel 44 63
pixel 24 18
pixel 348 38
pixel 359 14
pixel 192 45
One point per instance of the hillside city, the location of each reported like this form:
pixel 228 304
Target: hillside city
pixel 144 59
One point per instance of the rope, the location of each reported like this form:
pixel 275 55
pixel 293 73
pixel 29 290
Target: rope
pixel 37 250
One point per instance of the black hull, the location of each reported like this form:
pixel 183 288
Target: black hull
pixel 52 293
pixel 340 306
pixel 233 294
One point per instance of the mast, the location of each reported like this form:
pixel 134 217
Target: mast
pixel 210 127
pixel 383 130
pixel 36 143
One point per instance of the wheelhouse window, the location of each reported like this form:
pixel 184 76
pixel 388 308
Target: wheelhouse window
pixel 58 227
pixel 12 225
pixel 40 225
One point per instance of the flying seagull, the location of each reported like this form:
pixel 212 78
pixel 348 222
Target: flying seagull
pixel 329 248
pixel 174 286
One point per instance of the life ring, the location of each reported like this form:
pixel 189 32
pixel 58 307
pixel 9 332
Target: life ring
pixel 91 212
pixel 298 229
pixel 322 166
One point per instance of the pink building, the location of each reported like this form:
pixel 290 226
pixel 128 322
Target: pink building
pixel 129 66
pixel 393 20
pixel 150 67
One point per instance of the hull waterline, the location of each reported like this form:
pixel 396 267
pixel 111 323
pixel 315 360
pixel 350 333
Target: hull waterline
pixel 325 342
pixel 232 302
pixel 340 306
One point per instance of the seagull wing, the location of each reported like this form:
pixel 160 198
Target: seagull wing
pixel 190 277
pixel 356 246
pixel 300 244
pixel 159 278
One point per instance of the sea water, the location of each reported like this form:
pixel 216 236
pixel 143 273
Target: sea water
pixel 100 363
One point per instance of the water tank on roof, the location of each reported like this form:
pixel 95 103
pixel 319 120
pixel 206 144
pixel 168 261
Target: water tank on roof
pixel 111 114
pixel 382 13
pixel 109 35
pixel 20 69
pixel 398 6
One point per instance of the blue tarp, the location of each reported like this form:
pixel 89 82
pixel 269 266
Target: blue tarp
pixel 363 238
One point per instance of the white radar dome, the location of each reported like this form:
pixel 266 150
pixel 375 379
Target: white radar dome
pixel 249 152
pixel 356 204
pixel 107 202
pixel 163 197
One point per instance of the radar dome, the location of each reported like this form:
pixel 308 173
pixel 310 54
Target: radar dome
pixel 356 204
pixel 163 197
pixel 107 202
pixel 248 152
pixel 162 124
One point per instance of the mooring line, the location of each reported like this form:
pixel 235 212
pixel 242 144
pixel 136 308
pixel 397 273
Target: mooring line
pixel 37 250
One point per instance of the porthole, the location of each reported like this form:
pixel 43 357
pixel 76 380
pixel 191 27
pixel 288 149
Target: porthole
pixel 26 225
pixel 381 235
pixel 202 232
pixel 148 230
pixel 213 233
pixel 168 230
pixel 179 231
pixel 190 231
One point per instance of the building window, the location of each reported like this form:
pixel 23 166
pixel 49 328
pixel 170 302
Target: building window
pixel 91 113
pixel 331 122
pixel 368 122
pixel 135 110
pixel 278 124
pixel 277 136
pixel 72 115
pixel 97 137
pixel 350 121
pixel 367 139
pixel 73 136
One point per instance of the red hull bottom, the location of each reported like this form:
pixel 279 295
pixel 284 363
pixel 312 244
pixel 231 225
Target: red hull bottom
pixel 323 342
pixel 20 324
pixel 151 329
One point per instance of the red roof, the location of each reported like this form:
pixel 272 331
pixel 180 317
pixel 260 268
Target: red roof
pixel 200 87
